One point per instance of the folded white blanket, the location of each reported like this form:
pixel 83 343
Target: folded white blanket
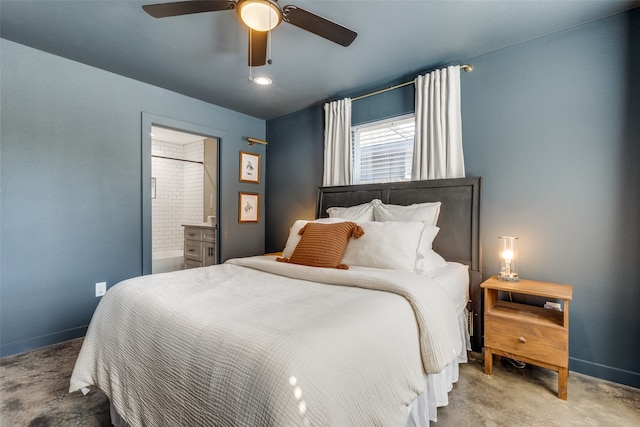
pixel 439 338
pixel 270 345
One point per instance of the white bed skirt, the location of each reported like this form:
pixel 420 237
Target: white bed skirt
pixel 425 407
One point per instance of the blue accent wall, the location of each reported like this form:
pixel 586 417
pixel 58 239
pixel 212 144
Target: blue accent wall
pixel 552 126
pixel 296 150
pixel 72 188
pixel 386 105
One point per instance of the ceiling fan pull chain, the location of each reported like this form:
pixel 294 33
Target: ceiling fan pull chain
pixel 250 54
pixel 269 61
pixel 269 39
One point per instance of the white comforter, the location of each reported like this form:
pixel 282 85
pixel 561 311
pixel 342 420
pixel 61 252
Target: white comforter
pixel 270 345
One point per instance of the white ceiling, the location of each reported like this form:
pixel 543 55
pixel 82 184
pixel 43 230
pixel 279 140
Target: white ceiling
pixel 205 55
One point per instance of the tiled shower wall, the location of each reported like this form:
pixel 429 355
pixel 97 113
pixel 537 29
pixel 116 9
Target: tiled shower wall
pixel 193 180
pixel 179 192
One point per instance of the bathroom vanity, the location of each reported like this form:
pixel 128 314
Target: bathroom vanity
pixel 199 245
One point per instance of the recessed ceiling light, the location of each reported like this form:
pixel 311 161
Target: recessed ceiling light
pixel 262 81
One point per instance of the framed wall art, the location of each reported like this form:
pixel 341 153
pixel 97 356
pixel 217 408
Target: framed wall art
pixel 249 167
pixel 248 207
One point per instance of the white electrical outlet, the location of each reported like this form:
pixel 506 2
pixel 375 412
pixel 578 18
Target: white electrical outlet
pixel 101 289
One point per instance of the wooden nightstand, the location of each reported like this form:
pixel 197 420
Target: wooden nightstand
pixel 528 333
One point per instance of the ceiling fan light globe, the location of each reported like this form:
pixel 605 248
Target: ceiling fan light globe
pixel 259 15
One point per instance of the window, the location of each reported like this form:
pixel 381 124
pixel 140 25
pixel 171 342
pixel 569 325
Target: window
pixel 382 151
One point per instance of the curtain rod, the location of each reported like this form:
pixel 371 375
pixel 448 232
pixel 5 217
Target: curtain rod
pixel 256 141
pixel 466 67
pixel 180 160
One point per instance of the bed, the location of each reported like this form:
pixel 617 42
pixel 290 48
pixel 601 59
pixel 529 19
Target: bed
pixel 259 342
pixel 459 223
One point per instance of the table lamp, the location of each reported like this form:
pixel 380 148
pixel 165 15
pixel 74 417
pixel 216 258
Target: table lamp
pixel 508 254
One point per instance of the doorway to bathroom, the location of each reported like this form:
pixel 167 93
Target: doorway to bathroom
pixel 183 192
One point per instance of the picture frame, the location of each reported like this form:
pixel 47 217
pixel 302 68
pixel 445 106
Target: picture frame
pixel 248 207
pixel 249 167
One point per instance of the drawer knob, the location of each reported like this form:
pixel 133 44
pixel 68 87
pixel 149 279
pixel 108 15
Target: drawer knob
pixel 522 340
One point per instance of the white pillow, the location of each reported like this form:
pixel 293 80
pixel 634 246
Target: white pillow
pixel 390 245
pixel 294 237
pixel 358 213
pixel 431 260
pixel 427 212
pixel 427 259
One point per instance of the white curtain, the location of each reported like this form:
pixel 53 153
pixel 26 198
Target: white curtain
pixel 437 149
pixel 337 143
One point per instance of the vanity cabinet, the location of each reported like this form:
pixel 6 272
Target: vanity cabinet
pixel 199 245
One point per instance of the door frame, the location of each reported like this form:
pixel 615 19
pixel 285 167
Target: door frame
pixel 149 120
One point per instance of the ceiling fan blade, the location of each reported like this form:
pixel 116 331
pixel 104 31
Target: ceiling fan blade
pixel 164 10
pixel 257 47
pixel 318 25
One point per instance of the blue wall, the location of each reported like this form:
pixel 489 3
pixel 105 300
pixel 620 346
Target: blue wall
pixel 72 188
pixel 551 125
pixel 296 150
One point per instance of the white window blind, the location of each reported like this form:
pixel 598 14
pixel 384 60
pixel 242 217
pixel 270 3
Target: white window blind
pixel 382 151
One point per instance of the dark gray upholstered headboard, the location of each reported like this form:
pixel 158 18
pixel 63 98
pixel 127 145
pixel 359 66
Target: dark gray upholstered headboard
pixel 459 222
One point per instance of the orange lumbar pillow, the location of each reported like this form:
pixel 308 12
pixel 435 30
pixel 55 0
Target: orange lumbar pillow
pixel 322 245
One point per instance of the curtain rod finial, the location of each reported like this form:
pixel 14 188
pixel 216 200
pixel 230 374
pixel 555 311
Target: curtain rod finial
pixel 467 67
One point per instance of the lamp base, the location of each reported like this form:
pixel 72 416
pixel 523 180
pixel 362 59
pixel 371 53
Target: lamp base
pixel 508 277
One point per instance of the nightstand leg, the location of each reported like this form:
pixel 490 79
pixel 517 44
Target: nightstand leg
pixel 563 377
pixel 488 361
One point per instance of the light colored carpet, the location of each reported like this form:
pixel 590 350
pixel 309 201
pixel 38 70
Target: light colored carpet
pixel 34 392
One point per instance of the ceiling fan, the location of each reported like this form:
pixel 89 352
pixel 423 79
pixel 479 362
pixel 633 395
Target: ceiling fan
pixel 261 16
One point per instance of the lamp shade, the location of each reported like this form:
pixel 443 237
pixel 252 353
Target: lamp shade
pixel 259 15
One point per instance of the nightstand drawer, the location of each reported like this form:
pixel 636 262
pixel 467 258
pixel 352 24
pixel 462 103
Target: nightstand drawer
pixel 546 343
